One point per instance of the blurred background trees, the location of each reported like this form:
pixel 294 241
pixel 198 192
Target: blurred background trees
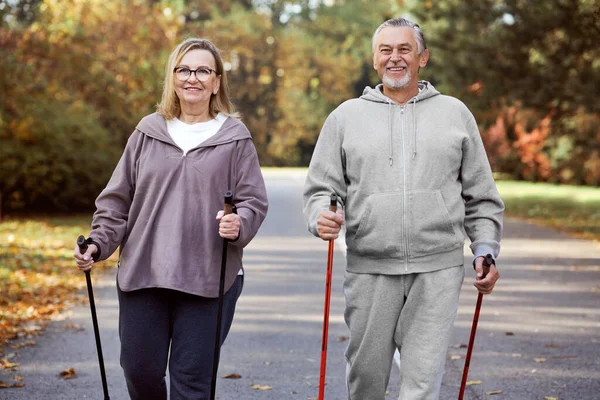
pixel 77 75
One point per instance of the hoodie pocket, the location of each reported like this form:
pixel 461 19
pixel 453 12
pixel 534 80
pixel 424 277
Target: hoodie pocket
pixel 379 233
pixel 430 229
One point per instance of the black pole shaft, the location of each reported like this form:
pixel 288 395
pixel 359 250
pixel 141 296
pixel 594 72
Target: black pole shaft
pixel 97 334
pixel 217 350
pixel 82 243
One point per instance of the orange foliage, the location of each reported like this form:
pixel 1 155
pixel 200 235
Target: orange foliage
pixel 496 142
pixel 529 145
pixel 519 136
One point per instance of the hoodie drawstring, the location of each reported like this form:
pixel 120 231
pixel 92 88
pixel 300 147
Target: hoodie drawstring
pixel 414 128
pixel 390 131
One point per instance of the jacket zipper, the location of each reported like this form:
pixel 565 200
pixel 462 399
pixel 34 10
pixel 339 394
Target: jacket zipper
pixel 405 196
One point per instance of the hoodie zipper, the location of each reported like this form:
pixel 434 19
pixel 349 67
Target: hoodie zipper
pixel 405 196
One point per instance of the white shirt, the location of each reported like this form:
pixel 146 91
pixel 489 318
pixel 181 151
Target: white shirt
pixel 188 136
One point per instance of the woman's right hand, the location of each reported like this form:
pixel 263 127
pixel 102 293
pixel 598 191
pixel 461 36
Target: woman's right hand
pixel 85 261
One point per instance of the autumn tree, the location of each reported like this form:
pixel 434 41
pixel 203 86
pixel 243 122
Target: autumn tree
pixel 75 82
pixel 77 75
pixel 537 57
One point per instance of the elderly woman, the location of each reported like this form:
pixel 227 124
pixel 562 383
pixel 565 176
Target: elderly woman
pixel 162 207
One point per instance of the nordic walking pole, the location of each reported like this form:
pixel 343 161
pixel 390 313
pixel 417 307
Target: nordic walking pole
pixel 83 245
pixel 227 209
pixel 332 207
pixel 488 261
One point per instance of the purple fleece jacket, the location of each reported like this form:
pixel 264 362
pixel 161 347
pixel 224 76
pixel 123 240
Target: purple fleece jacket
pixel 160 207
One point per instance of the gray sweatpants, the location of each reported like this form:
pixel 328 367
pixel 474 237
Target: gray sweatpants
pixel 413 313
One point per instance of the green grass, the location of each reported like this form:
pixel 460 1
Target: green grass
pixel 572 209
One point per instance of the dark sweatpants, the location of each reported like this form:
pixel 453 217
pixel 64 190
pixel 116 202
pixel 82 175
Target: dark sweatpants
pixel 151 320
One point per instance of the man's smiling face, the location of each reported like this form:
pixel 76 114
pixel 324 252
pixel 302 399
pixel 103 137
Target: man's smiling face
pixel 396 57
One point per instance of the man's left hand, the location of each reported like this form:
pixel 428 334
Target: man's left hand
pixel 486 276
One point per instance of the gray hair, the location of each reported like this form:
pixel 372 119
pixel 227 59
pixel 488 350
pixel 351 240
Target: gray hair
pixel 399 22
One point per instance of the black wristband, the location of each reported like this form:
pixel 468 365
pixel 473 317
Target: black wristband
pixel 96 254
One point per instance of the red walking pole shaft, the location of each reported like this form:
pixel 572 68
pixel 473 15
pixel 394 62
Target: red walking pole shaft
pixel 470 348
pixel 332 207
pixel 488 261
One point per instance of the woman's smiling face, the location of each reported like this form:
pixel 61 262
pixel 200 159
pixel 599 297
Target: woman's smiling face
pixel 193 92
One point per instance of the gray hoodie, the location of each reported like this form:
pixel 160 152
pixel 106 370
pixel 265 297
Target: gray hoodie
pixel 414 181
pixel 160 207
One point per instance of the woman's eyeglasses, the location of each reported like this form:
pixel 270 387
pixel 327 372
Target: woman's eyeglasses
pixel 202 73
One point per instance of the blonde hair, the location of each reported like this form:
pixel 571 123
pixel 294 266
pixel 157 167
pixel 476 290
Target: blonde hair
pixel 169 106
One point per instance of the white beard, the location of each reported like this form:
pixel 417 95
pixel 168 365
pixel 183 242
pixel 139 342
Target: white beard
pixel 396 84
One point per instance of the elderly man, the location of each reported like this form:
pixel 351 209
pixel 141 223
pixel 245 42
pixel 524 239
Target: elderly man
pixel 411 173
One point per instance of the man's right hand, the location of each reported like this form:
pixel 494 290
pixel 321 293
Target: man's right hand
pixel 329 224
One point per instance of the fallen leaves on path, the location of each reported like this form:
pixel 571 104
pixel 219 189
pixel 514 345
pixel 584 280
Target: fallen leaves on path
pixel 68 373
pixel 4 385
pixel 550 398
pixel 23 344
pixel 261 387
pixel 539 360
pixel 469 383
pixel 18 383
pixel 5 364
pixel 493 392
pixel 232 376
pixel 74 327
pixel 38 277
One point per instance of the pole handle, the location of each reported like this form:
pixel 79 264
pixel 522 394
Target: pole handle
pixel 228 203
pixel 82 244
pixel 488 261
pixel 333 202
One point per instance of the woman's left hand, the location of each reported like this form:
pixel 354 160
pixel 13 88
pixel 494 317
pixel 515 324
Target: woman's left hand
pixel 229 225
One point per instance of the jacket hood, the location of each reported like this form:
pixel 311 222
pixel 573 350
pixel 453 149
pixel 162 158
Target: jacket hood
pixel 426 91
pixel 155 126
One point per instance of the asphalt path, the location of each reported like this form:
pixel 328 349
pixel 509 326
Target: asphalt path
pixel 538 335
